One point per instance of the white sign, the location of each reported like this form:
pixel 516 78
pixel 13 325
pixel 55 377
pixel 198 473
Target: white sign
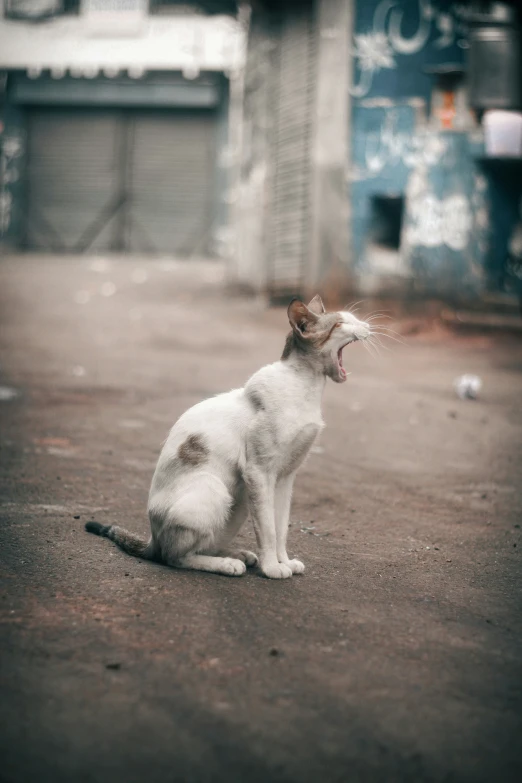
pixel 166 43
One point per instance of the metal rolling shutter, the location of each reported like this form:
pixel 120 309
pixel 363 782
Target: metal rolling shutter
pixel 292 138
pixel 72 179
pixel 172 182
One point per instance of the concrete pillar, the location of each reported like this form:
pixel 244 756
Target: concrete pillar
pixel 330 253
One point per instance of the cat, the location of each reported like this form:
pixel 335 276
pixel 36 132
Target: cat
pixel 236 455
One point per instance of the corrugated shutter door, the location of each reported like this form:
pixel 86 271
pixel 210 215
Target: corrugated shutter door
pixel 171 188
pixel 72 178
pixel 293 118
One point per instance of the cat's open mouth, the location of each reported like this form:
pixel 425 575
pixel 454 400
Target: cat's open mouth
pixel 342 371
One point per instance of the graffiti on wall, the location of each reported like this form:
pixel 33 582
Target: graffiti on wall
pixel 451 220
pixel 391 146
pixel 377 48
pixel 11 150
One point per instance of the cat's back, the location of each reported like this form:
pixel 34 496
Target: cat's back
pixel 215 413
pixel 218 422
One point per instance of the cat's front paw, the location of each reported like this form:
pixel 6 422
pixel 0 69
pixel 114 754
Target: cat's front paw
pixel 277 571
pixel 296 565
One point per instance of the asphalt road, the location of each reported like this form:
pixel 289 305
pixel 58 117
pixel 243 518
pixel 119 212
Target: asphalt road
pixel 395 657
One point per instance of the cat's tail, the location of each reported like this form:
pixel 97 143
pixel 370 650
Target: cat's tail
pixel 129 542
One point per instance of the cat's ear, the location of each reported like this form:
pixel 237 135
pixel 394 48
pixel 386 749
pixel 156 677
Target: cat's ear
pixel 301 318
pixel 316 305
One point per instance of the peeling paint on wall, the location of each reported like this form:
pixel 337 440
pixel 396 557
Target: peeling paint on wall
pixel 391 145
pixel 435 222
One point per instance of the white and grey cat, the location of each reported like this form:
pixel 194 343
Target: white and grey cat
pixel 236 455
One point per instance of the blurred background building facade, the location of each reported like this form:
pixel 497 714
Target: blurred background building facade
pixel 367 145
pixel 316 144
pixel 115 125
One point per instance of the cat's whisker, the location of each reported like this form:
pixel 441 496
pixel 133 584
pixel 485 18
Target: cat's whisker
pixel 373 316
pixel 374 339
pixel 370 347
pixel 385 334
pixel 352 306
pixel 376 348
pixel 388 329
pixel 390 337
pixel 381 345
pixel 395 336
pixel 366 345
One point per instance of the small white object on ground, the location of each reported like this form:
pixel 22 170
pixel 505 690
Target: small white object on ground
pixel 6 394
pixel 467 386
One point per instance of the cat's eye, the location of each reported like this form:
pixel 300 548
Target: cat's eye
pixel 338 325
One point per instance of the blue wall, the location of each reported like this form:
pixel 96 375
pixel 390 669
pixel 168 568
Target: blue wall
pixel 396 152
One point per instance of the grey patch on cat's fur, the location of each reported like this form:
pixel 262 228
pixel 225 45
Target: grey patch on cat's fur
pixel 193 450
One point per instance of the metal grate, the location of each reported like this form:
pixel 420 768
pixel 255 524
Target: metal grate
pixel 121 180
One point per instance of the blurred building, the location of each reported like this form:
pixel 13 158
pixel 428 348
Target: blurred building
pixel 352 148
pixel 365 164
pixel 114 124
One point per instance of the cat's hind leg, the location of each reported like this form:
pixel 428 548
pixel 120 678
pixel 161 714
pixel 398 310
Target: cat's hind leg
pixel 195 519
pixel 228 566
pixel 184 547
